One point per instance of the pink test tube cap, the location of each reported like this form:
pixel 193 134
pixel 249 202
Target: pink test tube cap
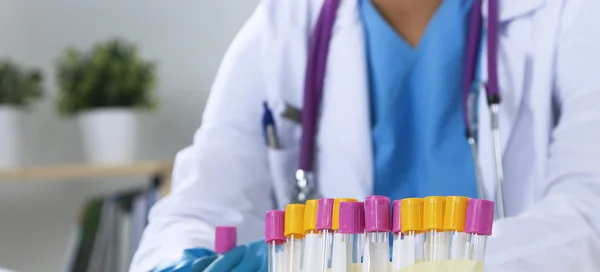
pixel 396 216
pixel 352 217
pixel 480 217
pixel 225 239
pixel 377 213
pixel 274 226
pixel 325 214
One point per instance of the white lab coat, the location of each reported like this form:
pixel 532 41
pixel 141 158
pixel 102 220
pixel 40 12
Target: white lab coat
pixel 550 120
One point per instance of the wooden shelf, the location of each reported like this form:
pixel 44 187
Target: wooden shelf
pixel 82 172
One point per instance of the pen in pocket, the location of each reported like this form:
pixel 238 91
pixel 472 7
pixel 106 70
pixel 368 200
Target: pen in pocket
pixel 269 128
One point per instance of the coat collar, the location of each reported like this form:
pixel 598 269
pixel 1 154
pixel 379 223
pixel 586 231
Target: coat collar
pixel 510 9
pixel 349 10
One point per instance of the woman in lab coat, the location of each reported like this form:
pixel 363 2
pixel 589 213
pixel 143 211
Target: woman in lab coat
pixel 549 75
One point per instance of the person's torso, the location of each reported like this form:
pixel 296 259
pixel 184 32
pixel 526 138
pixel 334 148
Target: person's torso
pixel 418 133
pixel 344 160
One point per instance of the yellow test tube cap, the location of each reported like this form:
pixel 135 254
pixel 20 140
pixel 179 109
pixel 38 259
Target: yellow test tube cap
pixel 335 224
pixel 434 212
pixel 310 215
pixel 456 213
pixel 412 214
pixel 294 220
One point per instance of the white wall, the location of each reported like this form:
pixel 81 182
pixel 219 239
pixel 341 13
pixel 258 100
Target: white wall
pixel 187 38
pixel 11 28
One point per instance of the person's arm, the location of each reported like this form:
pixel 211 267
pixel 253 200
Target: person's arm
pixel 223 178
pixel 562 231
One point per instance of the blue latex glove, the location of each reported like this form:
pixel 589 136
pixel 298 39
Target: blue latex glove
pixel 194 265
pixel 247 258
pixel 202 263
pixel 190 257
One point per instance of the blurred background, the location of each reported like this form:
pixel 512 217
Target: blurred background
pixel 96 98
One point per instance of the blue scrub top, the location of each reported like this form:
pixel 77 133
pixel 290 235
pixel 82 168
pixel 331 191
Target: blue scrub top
pixel 418 134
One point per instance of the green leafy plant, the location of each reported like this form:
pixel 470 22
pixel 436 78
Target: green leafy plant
pixel 112 74
pixel 19 86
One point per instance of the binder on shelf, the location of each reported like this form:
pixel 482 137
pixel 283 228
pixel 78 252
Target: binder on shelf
pixel 110 229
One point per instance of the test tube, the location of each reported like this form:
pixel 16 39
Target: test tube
pixel 225 239
pixel 294 233
pixel 311 251
pixel 412 229
pixel 454 225
pixel 399 246
pixel 347 253
pixel 338 247
pixel 433 224
pixel 480 218
pixel 377 227
pixel 275 239
pixel 325 228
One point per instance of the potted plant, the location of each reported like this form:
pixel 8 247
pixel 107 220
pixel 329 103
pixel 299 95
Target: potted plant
pixel 103 88
pixel 19 87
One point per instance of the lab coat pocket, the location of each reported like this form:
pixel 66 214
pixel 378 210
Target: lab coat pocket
pixel 288 131
pixel 283 163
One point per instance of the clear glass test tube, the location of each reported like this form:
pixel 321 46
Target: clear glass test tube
pixel 311 248
pixel 325 229
pixel 433 224
pixel 457 245
pixel 353 253
pixel 311 252
pixel 480 218
pixel 377 227
pixel 412 230
pixel 398 247
pixel 293 249
pixel 414 243
pixel 326 243
pixel 275 239
pixel 340 245
pixel 477 247
pixel 407 247
pixel 338 252
pixel 378 256
pixel 347 253
pixel 277 256
pixel 435 245
pixel 294 233
pixel 398 243
pixel 454 225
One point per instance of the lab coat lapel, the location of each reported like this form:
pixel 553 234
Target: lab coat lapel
pixel 512 67
pixel 515 67
pixel 345 125
pixel 510 9
pixel 511 75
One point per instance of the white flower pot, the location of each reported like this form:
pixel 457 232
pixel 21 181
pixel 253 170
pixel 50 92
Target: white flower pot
pixel 109 135
pixel 10 137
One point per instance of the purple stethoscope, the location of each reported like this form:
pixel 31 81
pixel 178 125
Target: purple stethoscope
pixel 306 187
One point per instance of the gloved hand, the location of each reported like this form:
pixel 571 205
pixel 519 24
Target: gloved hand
pixel 246 258
pixel 190 257
pixel 202 263
pixel 194 265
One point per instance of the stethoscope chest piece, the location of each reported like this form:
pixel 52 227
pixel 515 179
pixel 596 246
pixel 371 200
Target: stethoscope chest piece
pixel 304 188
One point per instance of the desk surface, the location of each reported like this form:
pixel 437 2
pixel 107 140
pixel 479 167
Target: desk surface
pixel 81 172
